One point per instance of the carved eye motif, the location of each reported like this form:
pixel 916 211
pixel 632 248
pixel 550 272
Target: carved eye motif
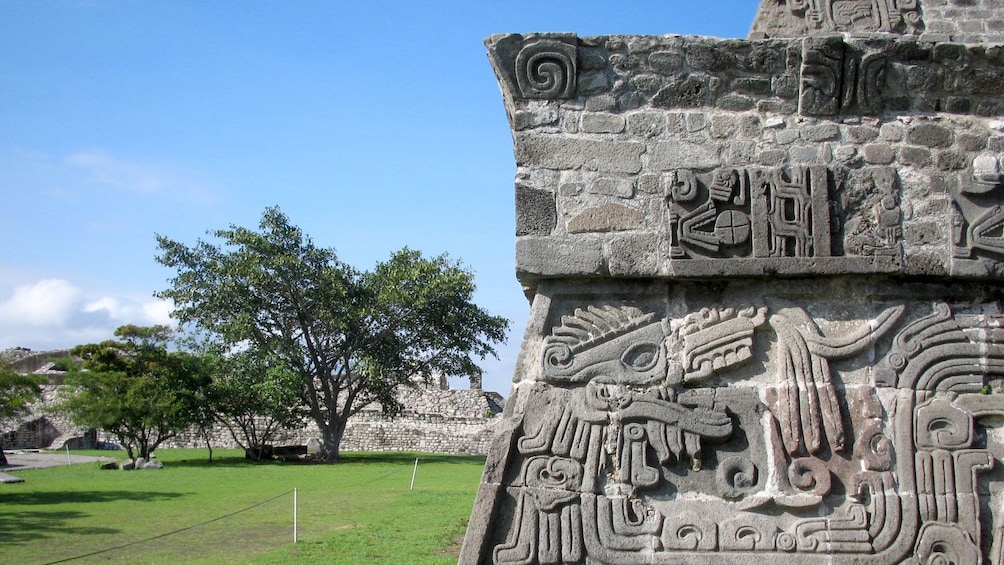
pixel 641 356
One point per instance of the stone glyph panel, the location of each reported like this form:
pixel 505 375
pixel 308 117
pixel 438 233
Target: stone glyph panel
pixel 679 156
pixel 967 21
pixel 678 423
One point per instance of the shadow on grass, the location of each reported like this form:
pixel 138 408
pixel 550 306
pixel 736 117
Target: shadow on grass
pixel 405 457
pixel 19 527
pixel 22 521
pixel 81 497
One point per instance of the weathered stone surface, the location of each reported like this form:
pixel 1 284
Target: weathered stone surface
pixel 581 256
pixel 878 153
pixel 731 394
pixel 594 155
pixel 930 135
pixel 682 155
pixel 822 132
pixel 608 217
pixel 535 211
pixel 602 123
pixel 784 343
pixel 621 188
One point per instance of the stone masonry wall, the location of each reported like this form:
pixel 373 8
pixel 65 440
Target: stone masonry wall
pixel 611 184
pixel 434 420
pixel 767 318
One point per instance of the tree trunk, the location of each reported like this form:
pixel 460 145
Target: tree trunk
pixel 331 439
pixel 205 436
pixel 3 458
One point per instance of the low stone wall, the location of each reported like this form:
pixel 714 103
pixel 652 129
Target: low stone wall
pixel 433 421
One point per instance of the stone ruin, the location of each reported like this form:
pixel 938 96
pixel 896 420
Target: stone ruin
pixel 435 419
pixel 765 278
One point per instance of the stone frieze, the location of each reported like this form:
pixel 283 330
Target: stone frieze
pixel 688 429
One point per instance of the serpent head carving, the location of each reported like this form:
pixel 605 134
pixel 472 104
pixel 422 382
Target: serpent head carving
pixel 609 344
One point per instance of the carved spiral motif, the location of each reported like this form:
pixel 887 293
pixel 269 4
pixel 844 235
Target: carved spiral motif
pixel 634 432
pixel 689 536
pixel 546 69
pixel 683 187
pixel 881 448
pixel 909 11
pixel 945 544
pixel 736 477
pixel 809 475
pixel 747 537
pixel 897 361
pixel 553 473
pixel 558 356
pixel 785 541
pixel 912 346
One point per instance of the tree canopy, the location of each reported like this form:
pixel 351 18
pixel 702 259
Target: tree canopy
pixel 352 337
pixel 17 392
pixel 136 389
pixel 254 398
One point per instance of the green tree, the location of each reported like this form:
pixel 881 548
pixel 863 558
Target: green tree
pixel 254 398
pixel 136 389
pixel 352 337
pixel 17 392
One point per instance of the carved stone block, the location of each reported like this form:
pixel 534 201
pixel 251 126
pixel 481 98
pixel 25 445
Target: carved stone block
pixel 722 427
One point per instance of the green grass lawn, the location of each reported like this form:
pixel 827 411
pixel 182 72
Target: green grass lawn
pixel 357 511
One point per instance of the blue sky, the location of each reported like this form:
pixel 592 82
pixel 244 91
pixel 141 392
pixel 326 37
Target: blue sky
pixel 374 125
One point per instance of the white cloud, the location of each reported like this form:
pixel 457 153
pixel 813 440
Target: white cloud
pixel 142 177
pixel 47 303
pixel 149 312
pixel 137 177
pixel 159 312
pixel 55 314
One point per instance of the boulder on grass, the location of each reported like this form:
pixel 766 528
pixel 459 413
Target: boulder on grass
pixel 313 445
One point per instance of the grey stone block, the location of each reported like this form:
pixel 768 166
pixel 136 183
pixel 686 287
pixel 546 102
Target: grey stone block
pixel 548 256
pixel 606 218
pixel 669 156
pixel 821 132
pixel 619 187
pixel 930 135
pixel 919 156
pixel 556 153
pixel 646 124
pixel 535 211
pixel 878 153
pixel 602 123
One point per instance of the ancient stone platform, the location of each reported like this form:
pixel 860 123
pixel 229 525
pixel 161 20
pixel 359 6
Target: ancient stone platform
pixel 766 293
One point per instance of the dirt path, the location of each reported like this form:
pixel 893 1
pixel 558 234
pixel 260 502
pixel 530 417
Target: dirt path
pixel 23 460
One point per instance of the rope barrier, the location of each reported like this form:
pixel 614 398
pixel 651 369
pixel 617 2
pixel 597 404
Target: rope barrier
pixel 217 519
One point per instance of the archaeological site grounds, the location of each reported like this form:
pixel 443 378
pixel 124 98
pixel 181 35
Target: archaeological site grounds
pixel 765 287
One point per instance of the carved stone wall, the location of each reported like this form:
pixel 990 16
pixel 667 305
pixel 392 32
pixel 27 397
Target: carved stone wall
pixel 766 293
